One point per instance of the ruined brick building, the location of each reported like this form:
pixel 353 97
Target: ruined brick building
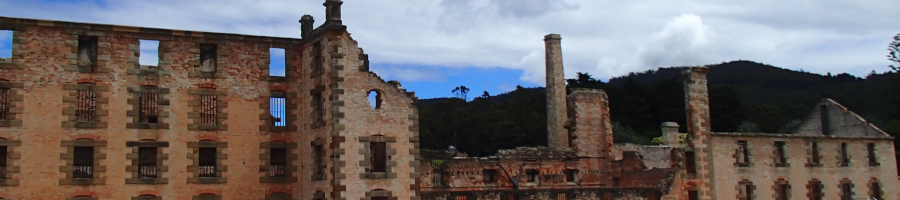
pixel 81 119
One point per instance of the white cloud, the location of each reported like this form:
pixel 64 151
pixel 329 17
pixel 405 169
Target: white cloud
pixel 602 37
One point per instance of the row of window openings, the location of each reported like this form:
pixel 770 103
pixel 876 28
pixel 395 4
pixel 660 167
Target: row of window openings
pixel 815 190
pixel 83 162
pixel 149 53
pixel 531 176
pixel 86 107
pixel 781 154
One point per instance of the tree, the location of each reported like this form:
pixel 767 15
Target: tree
pixel 461 92
pixel 894 52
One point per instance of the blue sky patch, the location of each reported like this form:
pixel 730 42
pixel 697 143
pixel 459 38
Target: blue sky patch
pixel 5 44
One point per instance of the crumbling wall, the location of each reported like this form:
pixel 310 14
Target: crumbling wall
pixel 831 118
pixel 590 130
pixel 653 156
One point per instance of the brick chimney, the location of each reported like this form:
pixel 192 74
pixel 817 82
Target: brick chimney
pixel 557 136
pixel 670 134
pixel 306 25
pixel 333 12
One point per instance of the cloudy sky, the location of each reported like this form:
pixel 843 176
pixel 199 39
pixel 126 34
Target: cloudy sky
pixel 432 46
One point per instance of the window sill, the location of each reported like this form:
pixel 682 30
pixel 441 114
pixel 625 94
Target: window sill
pixel 149 181
pixel 782 165
pixel 208 180
pixel 378 175
pixel 813 164
pixel 147 126
pixel 270 179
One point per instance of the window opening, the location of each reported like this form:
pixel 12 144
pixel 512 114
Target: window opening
pixel 870 149
pixel 149 53
pixel 278 162
pixel 319 105
pixel 87 51
pixel 743 153
pixel 6 44
pixel 208 104
pixel 208 56
pixel 616 182
pixel 84 111
pixel 815 190
pixel 746 190
pixel 149 109
pixel 846 191
pixel 318 59
pixel 83 163
pixel 379 157
pixel 147 162
pixel 875 189
pixel 489 175
pixel 375 99
pixel 815 152
pixel 277 107
pixel 571 174
pixel 276 62
pixel 690 162
pixel 780 157
pixel 693 195
pixel 4 103
pixel 319 160
pixel 845 158
pixel 3 157
pixel 783 191
pixel 531 175
pixel 207 162
pixel 379 198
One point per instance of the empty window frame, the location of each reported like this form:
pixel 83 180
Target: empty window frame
pixel 319 160
pixel 208 109
pixel 693 195
pixel 147 162
pixel 4 103
pixel 318 58
pixel 149 53
pixel 278 162
pixel 86 106
pixel 207 162
pixel 276 62
pixel 531 175
pixel 3 157
pixel 208 57
pixel 782 190
pixel 780 154
pixel 490 175
pixel 378 155
pixel 87 51
pixel 745 190
pixel 690 162
pixel 846 191
pixel 6 45
pixel 83 163
pixel 845 156
pixel 571 175
pixel 149 108
pixel 815 190
pixel 278 109
pixel 743 153
pixel 870 153
pixel 814 149
pixel 318 108
pixel 875 189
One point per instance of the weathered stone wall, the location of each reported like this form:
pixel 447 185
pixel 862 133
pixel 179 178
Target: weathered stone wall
pixel 763 172
pixel 838 121
pixel 652 156
pixel 590 129
pixel 699 127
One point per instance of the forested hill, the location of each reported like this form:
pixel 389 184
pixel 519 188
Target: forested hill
pixel 745 97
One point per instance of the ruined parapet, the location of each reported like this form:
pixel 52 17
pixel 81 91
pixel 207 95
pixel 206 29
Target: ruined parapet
pixel 589 126
pixel 556 93
pixel 536 153
pixel 670 134
pixel 699 168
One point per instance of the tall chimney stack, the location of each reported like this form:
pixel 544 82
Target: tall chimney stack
pixel 696 101
pixel 333 12
pixel 557 136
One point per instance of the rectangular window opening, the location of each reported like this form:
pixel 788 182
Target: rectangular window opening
pixel 208 57
pixel 743 153
pixel 815 152
pixel 319 160
pixel 3 157
pixel 379 156
pixel 693 195
pixel 780 154
pixel 571 174
pixel 532 175
pixel 319 108
pixel 318 58
pixel 876 190
pixel 277 107
pixel 87 51
pixel 846 191
pixel 276 62
pixel 783 192
pixel 6 44
pixel 845 157
pixel 690 162
pixel 207 158
pixel 4 104
pixel 86 105
pixel 278 162
pixel 208 109
pixel 83 162
pixel 746 191
pixel 815 190
pixel 149 108
pixel 147 167
pixel 870 150
pixel 149 54
pixel 490 175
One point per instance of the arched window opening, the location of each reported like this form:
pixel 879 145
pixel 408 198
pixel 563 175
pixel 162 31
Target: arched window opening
pixel 375 99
